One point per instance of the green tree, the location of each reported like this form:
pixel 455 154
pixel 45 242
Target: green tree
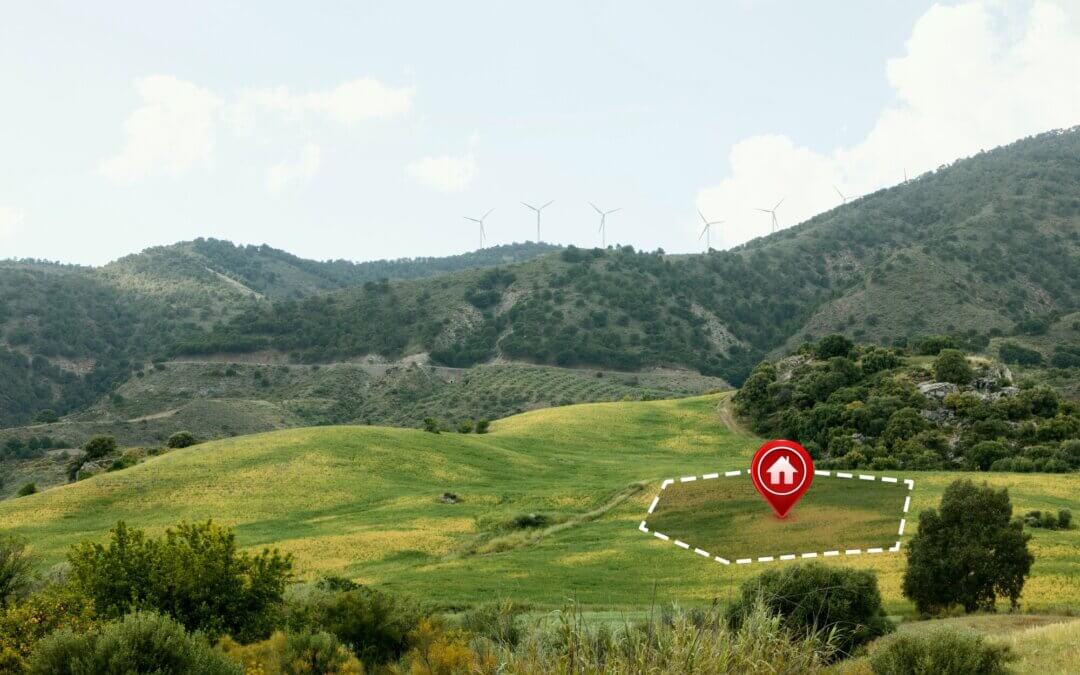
pixel 181 439
pixel 951 366
pixel 967 552
pixel 985 453
pixel 99 446
pixel 27 489
pixel 194 573
pixel 833 345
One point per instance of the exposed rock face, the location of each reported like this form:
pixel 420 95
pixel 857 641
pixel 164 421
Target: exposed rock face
pixel 938 390
pixel 785 368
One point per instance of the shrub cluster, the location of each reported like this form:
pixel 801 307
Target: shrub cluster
pixel 860 407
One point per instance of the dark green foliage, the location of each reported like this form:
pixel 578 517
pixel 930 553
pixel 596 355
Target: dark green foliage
pixel 833 345
pixel 142 642
pixel 27 489
pixel 1046 520
pixel 194 573
pixel 530 520
pixel 940 651
pixel 1010 352
pixel 431 425
pixel 181 439
pixel 465 427
pixel 482 426
pixel 816 597
pixel 967 552
pixel 373 625
pixel 1064 519
pixel 933 344
pixel 951 366
pixel 14 569
pixel 1066 356
pixel 46 416
pixel 99 446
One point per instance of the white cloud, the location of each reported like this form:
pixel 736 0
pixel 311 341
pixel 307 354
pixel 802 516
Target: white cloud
pixel 172 131
pixel 284 173
pixel 445 173
pixel 349 103
pixel 10 221
pixel 972 78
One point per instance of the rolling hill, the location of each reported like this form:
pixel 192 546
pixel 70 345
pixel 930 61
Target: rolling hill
pixel 368 502
pixel 984 248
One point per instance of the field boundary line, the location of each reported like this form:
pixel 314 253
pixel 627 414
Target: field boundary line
pixel 907 483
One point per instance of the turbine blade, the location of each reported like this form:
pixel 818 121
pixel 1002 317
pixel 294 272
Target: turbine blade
pixel 716 222
pixel 763 210
pixel 547 205
pixel 614 210
pixel 597 208
pixel 487 214
pixel 779 203
pixel 472 219
pixel 529 205
pixel 703 218
pixel 703 231
pixel 838 192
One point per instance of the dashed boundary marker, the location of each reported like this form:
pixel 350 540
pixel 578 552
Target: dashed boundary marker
pixel 644 527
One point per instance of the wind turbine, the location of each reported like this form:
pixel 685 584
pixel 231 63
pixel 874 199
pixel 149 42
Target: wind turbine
pixel 603 222
pixel 480 221
pixel 708 229
pixel 843 197
pixel 538 210
pixel 772 212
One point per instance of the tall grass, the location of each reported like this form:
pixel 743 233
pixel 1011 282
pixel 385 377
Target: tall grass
pixel 677 642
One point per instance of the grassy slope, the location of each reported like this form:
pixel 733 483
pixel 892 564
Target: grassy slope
pixel 364 501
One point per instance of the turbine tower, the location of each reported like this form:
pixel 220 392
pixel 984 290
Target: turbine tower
pixel 538 210
pixel 480 222
pixel 772 212
pixel 603 222
pixel 707 232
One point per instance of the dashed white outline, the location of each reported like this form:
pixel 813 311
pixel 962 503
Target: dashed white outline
pixel 787 556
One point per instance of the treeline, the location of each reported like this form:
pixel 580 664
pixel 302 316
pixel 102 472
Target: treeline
pixel 861 407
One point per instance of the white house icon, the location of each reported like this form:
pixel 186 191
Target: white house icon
pixel 781 466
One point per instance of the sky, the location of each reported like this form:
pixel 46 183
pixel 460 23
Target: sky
pixel 368 130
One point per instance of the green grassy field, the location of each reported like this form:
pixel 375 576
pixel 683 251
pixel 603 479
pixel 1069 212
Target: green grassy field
pixel 727 518
pixel 365 502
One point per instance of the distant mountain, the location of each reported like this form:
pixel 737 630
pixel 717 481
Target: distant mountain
pixel 264 271
pixel 984 247
pixel 69 333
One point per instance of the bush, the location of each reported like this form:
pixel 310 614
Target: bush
pixel 14 569
pixel 194 573
pixel 951 366
pixel 967 552
pixel 431 425
pixel 499 622
pixel 142 642
pixel 317 654
pixel 1064 519
pixel 465 427
pixel 373 624
pixel 815 597
pixel 482 426
pixel 530 520
pixel 46 417
pixel 939 651
pixel 1010 352
pixel 27 489
pixel 181 439
pixel 99 446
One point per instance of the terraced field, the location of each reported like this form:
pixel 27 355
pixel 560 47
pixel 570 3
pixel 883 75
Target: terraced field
pixel 367 502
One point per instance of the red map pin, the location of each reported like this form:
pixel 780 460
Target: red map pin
pixel 782 472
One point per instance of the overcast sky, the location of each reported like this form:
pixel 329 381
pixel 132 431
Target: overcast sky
pixel 367 130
